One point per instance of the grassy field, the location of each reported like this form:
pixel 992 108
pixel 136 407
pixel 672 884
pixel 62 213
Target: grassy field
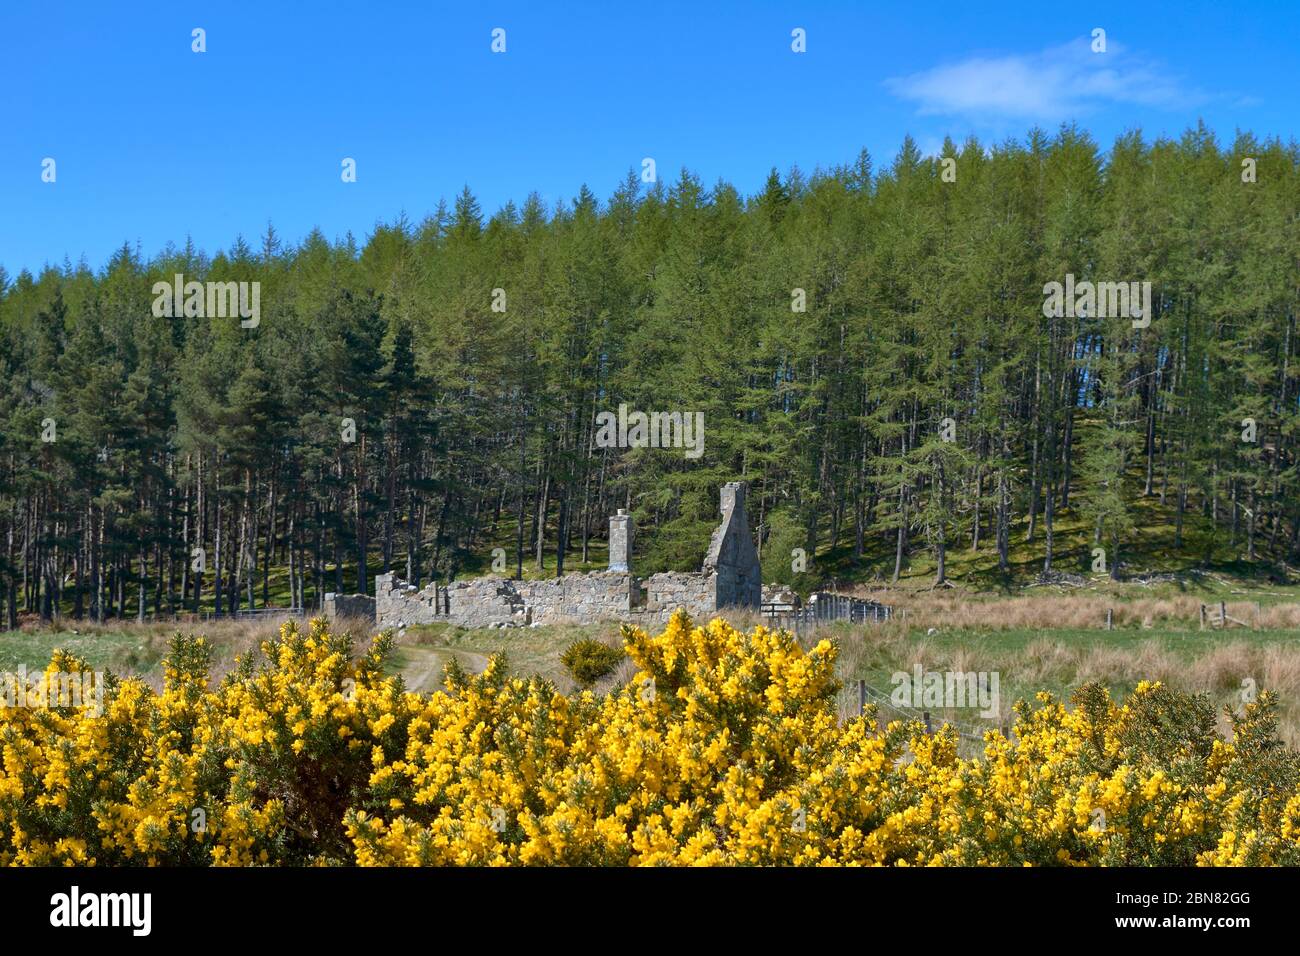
pixel 1035 637
pixel 1051 639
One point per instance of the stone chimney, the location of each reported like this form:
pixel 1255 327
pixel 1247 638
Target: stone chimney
pixel 620 542
pixel 733 495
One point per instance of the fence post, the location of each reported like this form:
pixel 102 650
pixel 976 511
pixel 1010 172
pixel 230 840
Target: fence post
pixel 1202 617
pixel 1110 619
pixel 1223 615
pixel 926 715
pixel 862 697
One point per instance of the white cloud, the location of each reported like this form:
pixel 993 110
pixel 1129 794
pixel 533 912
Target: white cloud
pixel 1056 84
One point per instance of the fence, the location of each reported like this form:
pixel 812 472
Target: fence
pixel 1218 616
pixel 853 699
pixel 1212 616
pixel 825 608
pixel 838 607
pixel 260 612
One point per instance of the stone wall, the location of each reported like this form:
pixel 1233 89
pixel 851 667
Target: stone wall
pixel 578 598
pixel 781 596
pixel 730 578
pixel 694 590
pixel 496 601
pixel 398 604
pixel 349 605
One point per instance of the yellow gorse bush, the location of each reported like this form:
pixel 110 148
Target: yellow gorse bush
pixel 725 748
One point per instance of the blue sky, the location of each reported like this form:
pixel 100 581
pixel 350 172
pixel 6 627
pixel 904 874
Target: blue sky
pixel 153 141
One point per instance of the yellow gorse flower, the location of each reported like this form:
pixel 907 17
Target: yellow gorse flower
pixel 308 755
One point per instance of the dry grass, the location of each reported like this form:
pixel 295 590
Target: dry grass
pixel 1049 642
pixel 137 647
pixel 956 609
pixel 1222 667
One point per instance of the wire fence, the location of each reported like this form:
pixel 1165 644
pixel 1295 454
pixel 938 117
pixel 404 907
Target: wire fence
pixel 853 698
pixel 255 613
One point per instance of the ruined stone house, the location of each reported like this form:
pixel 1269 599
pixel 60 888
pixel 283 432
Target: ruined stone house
pixel 729 578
